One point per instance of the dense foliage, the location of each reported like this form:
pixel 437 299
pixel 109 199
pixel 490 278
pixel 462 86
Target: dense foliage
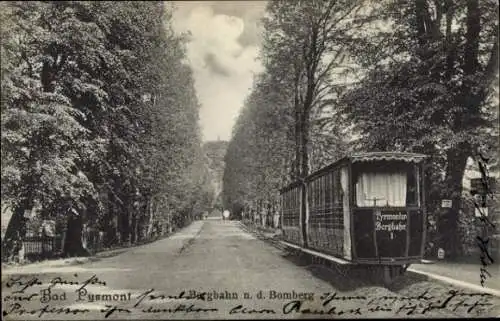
pixel 282 135
pixel 343 76
pixel 259 153
pixel 99 120
pixel 215 152
pixel 429 89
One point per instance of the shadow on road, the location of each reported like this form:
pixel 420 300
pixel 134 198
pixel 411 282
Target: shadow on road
pixel 350 277
pixel 341 277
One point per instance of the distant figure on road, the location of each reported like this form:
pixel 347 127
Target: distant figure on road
pixel 225 215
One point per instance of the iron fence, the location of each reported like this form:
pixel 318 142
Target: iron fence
pixel 42 246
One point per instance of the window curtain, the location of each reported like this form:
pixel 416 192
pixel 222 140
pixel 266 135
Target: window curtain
pixel 381 189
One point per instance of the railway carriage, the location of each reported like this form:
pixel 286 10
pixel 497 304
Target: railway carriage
pixel 365 209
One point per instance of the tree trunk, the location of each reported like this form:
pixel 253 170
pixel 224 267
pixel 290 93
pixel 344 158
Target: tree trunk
pixel 110 230
pixel 449 225
pixel 298 143
pixel 304 171
pixel 73 244
pixel 151 216
pixel 420 14
pixel 305 138
pixel 134 224
pixel 472 44
pixel 16 230
pixel 125 219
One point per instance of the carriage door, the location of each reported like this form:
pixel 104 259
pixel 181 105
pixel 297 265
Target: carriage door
pixel 380 216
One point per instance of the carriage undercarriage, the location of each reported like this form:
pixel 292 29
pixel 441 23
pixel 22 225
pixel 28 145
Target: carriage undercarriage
pixel 386 274
pixel 375 273
pixel 390 273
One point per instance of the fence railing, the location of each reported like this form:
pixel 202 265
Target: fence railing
pixel 94 240
pixel 37 247
pixel 42 247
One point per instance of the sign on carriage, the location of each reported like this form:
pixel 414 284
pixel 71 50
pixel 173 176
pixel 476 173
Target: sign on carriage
pixel 390 221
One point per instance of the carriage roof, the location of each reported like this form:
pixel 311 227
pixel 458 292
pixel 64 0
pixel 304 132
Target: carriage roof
pixel 387 156
pixel 365 157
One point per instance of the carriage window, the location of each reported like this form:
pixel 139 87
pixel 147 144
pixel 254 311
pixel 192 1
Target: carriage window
pixel 316 193
pixel 396 187
pixel 338 195
pixel 328 190
pixel 322 189
pixel 413 189
pixel 381 189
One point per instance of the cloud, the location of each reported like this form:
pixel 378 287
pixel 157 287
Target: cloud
pixel 250 12
pixel 222 52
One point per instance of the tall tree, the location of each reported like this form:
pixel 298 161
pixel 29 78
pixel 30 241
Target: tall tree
pixel 429 88
pixel 303 47
pixel 304 44
pixel 41 131
pixel 78 137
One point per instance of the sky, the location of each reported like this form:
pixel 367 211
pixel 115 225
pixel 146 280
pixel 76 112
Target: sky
pixel 223 50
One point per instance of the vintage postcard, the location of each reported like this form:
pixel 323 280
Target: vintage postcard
pixel 222 160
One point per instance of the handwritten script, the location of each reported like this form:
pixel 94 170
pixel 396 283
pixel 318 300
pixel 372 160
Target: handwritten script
pixel 30 296
pixel 483 242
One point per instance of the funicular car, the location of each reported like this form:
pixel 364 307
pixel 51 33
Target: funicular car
pixel 367 209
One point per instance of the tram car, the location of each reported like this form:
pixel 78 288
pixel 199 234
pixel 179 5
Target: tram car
pixel 367 209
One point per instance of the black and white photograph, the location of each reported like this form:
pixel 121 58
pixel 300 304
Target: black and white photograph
pixel 230 160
